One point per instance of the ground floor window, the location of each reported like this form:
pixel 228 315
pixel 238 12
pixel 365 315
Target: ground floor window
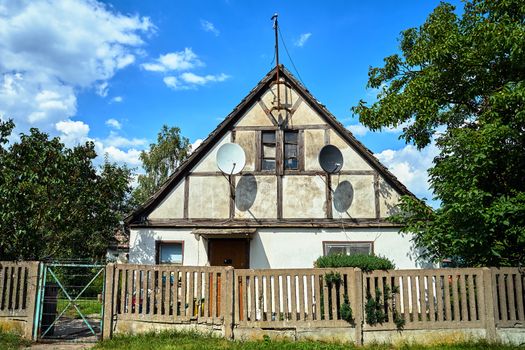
pixel 348 248
pixel 169 252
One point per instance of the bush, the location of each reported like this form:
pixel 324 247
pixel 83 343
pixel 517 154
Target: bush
pixel 365 262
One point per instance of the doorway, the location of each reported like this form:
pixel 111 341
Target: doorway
pixel 229 252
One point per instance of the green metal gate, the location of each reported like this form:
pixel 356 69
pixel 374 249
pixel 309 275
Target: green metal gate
pixel 70 302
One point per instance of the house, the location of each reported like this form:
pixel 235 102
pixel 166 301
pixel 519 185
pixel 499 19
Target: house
pixel 282 210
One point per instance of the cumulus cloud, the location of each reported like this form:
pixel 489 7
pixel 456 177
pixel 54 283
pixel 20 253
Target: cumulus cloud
pixel 303 38
pixel 130 157
pixel 358 129
pixel 207 26
pixel 190 80
pixel 49 49
pixel 117 140
pixel 361 130
pixel 195 144
pixel 174 61
pixel 117 99
pixel 72 132
pixel 410 166
pixel 113 123
pixel 177 66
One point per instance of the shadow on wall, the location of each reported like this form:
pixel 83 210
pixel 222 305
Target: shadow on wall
pixel 142 249
pixel 258 257
pixel 387 193
pixel 245 192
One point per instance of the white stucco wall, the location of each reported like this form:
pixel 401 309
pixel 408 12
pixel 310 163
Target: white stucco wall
pixel 278 248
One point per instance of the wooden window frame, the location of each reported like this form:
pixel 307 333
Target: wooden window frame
pixel 325 243
pixel 260 151
pixel 279 151
pixel 297 145
pixel 158 243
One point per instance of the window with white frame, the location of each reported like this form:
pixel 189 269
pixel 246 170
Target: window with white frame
pixel 348 248
pixel 170 252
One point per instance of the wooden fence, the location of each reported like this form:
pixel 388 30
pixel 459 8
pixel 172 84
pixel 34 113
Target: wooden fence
pixel 18 286
pixel 231 301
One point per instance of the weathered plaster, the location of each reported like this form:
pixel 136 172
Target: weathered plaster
pixel 313 142
pixel 352 160
pixel 255 117
pixel 304 197
pixel 362 203
pixel 256 197
pixel 246 139
pixel 209 197
pixel 209 162
pixel 388 199
pixel 305 115
pixel 172 206
pixel 288 97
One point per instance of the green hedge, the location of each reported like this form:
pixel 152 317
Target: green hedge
pixel 364 262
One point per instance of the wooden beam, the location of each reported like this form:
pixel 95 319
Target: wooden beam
pixel 186 196
pixel 376 195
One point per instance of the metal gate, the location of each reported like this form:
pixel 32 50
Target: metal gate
pixel 70 302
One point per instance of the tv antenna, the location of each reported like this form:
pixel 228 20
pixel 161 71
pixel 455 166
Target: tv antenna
pixel 276 30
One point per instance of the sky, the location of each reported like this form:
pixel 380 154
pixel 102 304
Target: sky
pixel 114 72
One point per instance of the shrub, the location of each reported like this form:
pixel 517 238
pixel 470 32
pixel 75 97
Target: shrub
pixel 365 262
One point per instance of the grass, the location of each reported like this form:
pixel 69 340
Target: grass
pixel 190 341
pixel 12 341
pixel 87 306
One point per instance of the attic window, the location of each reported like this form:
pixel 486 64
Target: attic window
pixel 268 150
pixel 291 150
pixel 348 248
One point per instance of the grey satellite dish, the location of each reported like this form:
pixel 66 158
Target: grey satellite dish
pixel 331 159
pixel 231 158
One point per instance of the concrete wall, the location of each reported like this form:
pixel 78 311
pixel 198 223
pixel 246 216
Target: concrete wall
pixel 277 248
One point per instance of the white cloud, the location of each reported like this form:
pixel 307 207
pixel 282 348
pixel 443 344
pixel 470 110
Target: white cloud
pixel 190 80
pixel 50 48
pixel 174 61
pixel 130 157
pixel 117 99
pixel 102 89
pixel 114 123
pixel 119 141
pixel 358 129
pixel 410 166
pixel 195 144
pixel 72 132
pixel 207 26
pixel 361 130
pixel 303 38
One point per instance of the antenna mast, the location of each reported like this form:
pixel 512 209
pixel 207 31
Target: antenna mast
pixel 276 29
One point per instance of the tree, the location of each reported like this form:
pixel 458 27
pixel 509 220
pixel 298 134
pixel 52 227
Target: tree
pixel 161 161
pixel 464 77
pixel 55 203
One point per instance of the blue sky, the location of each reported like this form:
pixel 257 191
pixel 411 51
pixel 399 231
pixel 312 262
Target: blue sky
pixel 115 72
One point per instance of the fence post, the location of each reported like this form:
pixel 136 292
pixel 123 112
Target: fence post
pixel 32 297
pixel 359 306
pixel 227 306
pixel 490 321
pixel 108 301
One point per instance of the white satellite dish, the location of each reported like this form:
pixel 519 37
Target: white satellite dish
pixel 231 158
pixel 331 159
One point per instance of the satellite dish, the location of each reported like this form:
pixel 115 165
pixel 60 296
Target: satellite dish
pixel 231 158
pixel 331 159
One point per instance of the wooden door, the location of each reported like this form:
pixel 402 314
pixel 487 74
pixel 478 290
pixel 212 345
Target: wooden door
pixel 229 252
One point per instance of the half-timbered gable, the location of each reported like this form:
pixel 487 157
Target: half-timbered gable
pixel 281 190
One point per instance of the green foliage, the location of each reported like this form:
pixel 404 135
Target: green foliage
pixel 345 310
pixel 332 278
pixel 12 341
pixel 184 340
pixel 161 161
pixel 378 307
pixel 55 203
pixel 364 262
pixel 464 76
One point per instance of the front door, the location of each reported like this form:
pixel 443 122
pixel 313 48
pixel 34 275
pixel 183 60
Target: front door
pixel 229 252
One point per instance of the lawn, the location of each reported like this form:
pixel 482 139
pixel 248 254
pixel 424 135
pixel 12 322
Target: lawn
pixel 189 341
pixel 87 306
pixel 11 341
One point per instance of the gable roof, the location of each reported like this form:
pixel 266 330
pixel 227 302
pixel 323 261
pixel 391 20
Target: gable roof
pixel 238 112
